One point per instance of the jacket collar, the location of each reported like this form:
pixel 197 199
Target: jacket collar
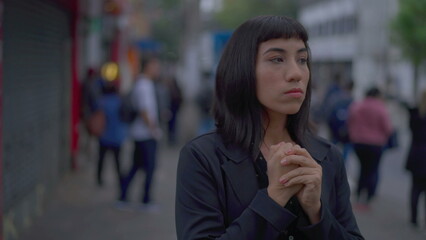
pixel 317 147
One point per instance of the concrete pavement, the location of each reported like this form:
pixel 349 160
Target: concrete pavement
pixel 78 209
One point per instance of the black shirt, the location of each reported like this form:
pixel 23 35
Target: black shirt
pixel 292 205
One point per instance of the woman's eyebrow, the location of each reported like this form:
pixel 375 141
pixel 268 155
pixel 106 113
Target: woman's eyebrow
pixel 281 50
pixel 302 50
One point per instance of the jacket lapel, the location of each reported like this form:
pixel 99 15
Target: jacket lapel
pixel 242 178
pixel 240 173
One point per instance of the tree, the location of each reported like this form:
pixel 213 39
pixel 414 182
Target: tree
pixel 410 33
pixel 235 12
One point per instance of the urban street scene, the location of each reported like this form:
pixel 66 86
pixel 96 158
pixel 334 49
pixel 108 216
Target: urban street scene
pixel 212 119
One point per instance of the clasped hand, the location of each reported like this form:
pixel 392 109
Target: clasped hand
pixel 292 171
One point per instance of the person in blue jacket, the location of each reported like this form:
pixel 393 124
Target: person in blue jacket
pixel 114 132
pixel 261 174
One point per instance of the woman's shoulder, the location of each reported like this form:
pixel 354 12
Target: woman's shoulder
pixel 204 144
pixel 200 154
pixel 210 138
pixel 212 147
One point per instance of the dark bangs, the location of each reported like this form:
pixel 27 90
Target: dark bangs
pixel 272 27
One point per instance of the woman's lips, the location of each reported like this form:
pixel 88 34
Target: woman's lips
pixel 295 92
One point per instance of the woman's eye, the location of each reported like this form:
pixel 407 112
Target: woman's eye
pixel 277 60
pixel 303 60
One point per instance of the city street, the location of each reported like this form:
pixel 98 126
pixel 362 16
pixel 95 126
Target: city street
pixel 78 209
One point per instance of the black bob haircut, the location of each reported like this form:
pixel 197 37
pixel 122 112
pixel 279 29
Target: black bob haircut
pixel 373 92
pixel 236 109
pixel 146 59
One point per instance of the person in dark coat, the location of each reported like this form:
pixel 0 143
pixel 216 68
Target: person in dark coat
pixel 416 160
pixel 261 174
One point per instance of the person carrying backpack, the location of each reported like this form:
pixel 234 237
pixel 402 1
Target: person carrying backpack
pixel 338 116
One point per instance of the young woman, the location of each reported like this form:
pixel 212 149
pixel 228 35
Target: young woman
pixel 261 174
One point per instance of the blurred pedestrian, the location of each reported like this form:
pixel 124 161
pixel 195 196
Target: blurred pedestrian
pixel 204 101
pixel 114 132
pixel 338 116
pixel 93 120
pixel 369 130
pixel 333 89
pixel 145 129
pixel 176 100
pixel 91 93
pixel 416 160
pixel 261 174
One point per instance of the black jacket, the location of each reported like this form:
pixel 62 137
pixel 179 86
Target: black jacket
pixel 416 161
pixel 217 196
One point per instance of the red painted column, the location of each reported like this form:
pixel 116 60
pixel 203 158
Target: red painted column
pixel 75 85
pixel 1 119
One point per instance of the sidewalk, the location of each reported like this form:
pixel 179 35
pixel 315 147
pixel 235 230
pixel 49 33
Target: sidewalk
pixel 78 209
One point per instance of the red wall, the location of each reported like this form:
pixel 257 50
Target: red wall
pixel 73 7
pixel 76 88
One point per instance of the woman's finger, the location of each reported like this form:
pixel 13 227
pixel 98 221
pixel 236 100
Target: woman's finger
pixel 300 160
pixel 298 150
pixel 300 171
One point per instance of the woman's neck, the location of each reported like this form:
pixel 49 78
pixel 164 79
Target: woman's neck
pixel 275 131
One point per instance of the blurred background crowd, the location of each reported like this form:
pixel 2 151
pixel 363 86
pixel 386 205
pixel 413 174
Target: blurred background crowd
pixel 67 68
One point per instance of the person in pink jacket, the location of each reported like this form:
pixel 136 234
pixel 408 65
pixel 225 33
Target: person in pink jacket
pixel 369 129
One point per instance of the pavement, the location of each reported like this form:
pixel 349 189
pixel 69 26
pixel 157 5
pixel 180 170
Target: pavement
pixel 78 209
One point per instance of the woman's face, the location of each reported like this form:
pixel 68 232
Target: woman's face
pixel 282 75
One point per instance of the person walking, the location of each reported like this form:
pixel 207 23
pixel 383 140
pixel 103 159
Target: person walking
pixel 145 130
pixel 113 133
pixel 416 160
pixel 337 118
pixel 261 174
pixel 176 99
pixel 369 130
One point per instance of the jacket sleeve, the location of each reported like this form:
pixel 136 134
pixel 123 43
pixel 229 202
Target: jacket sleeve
pixel 200 210
pixel 341 224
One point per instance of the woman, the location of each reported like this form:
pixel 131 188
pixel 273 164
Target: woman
pixel 369 128
pixel 261 174
pixel 416 162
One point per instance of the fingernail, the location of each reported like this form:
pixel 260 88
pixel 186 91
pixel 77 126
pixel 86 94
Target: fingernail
pixel 283 181
pixel 284 161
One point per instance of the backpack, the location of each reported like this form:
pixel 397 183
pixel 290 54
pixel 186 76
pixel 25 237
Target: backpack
pixel 128 111
pixel 96 122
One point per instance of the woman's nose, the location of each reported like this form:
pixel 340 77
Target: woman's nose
pixel 294 72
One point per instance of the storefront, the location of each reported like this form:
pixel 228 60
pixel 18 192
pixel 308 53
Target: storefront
pixel 39 93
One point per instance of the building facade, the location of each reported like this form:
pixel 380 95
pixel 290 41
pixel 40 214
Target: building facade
pixel 352 38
